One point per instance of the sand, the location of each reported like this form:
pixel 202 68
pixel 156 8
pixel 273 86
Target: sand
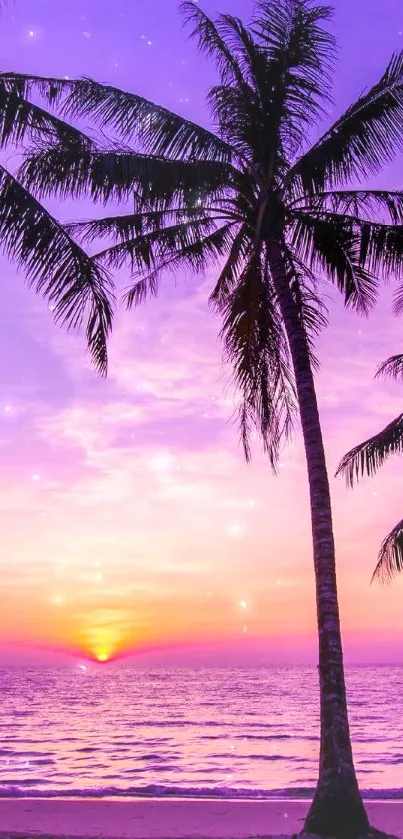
pixel 168 819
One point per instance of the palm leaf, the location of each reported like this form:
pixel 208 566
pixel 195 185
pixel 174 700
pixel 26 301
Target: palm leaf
pixel 361 141
pixel 21 120
pixel 119 175
pixel 134 118
pixel 56 266
pixel 311 311
pixel 233 267
pixel 151 248
pixel 390 557
pixel 299 52
pixel 333 244
pixel 369 456
pixel 212 43
pixel 297 29
pixel 255 346
pixel 193 255
pixel 121 228
pixel 361 204
pixel 393 367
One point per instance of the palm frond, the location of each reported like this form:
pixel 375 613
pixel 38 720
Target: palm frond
pixel 119 175
pixel 211 42
pixel 251 57
pixel 300 53
pixel 298 28
pixel 233 267
pixel 80 291
pixel 256 348
pixel 121 228
pixel 360 142
pixel 149 249
pixel 192 254
pixel 311 311
pixel 390 557
pixel 362 204
pixel 369 456
pixel 21 120
pixel 393 367
pixel 333 244
pixel 133 118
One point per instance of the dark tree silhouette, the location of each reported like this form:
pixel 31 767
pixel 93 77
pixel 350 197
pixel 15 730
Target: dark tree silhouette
pixel 366 459
pixel 280 221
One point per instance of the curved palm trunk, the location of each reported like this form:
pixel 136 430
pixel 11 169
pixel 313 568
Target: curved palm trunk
pixel 337 809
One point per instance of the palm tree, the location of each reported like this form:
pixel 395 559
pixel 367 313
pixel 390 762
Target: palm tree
pixel 367 458
pixel 79 290
pixel 280 220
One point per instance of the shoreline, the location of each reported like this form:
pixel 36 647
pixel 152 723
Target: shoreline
pixel 159 818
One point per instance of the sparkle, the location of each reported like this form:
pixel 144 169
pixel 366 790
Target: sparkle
pixel 31 33
pixel 161 462
pixel 243 604
pixel 236 531
pixel 87 34
pixel 57 600
pixel 8 409
pixel 35 477
pixel 245 628
pixel 150 43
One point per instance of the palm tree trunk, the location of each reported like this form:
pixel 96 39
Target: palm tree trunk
pixel 337 809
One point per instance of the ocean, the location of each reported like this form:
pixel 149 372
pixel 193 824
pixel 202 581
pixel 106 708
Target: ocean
pixel 241 733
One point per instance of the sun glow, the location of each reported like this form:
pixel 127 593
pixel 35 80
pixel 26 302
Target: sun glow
pixel 105 634
pixel 102 656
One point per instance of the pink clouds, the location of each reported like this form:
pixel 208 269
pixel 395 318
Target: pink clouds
pixel 146 524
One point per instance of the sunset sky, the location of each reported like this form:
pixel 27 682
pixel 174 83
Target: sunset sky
pixel 128 519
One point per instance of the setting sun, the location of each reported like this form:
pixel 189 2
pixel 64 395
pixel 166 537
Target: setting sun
pixel 102 656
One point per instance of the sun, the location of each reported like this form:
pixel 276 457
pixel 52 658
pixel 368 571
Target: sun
pixel 102 657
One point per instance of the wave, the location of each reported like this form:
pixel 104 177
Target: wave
pixel 15 790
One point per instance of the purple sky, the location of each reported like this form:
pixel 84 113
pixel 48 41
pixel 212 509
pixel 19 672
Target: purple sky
pixel 128 517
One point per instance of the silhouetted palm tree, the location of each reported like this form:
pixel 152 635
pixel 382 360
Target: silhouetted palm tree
pixel 276 218
pixel 367 458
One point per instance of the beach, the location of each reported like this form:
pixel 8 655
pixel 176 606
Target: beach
pixel 173 819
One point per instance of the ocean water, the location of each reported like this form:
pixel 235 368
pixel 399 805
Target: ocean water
pixel 197 732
